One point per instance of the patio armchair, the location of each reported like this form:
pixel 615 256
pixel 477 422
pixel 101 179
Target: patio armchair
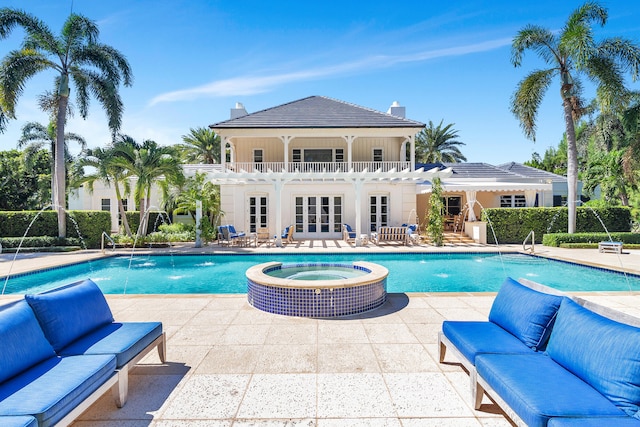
pixel 348 235
pixel 287 234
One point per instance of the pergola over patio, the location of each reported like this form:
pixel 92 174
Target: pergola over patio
pixel 357 179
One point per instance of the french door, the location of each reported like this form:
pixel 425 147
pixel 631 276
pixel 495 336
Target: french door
pixel 318 217
pixel 378 211
pixel 258 213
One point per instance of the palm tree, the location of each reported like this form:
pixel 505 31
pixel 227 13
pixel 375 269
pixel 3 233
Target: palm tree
pixel 36 137
pixel 569 54
pixel 105 169
pixel 201 145
pixel 436 144
pixel 76 56
pixel 147 162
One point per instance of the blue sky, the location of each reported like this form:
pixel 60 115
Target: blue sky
pixel 193 59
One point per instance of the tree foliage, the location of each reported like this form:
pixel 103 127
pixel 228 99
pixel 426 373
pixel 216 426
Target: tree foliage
pixel 437 144
pixel 435 216
pixel 24 183
pixel 571 54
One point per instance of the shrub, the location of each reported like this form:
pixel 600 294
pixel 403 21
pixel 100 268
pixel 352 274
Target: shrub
pixel 561 239
pixel 87 225
pixel 512 225
pixel 156 219
pixel 38 242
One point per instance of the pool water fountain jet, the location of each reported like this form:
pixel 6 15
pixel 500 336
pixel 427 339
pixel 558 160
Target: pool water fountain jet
pixel 24 236
pixel 143 223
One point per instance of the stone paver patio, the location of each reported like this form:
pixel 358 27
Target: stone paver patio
pixel 232 365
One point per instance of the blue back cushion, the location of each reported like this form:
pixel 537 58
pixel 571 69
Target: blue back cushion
pixel 69 312
pixel 525 313
pixel 348 227
pixel 600 351
pixel 23 343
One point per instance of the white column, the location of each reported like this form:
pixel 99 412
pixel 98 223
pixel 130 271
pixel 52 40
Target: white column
pixel 277 185
pixel 223 153
pixel 357 186
pixel 403 151
pixel 349 140
pixel 412 142
pixel 285 140
pixel 198 223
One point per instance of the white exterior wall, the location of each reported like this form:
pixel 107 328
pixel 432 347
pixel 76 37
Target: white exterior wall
pixel 83 199
pixel 234 203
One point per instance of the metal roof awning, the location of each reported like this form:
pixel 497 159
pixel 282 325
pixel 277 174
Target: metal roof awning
pixel 493 186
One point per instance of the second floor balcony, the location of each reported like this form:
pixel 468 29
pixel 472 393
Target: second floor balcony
pixel 319 167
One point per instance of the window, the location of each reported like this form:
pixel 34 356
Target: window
pixel 125 206
pixel 106 204
pixel 257 155
pixel 297 155
pixel 452 205
pixel 318 155
pixel 339 155
pixel 513 201
pixel 377 155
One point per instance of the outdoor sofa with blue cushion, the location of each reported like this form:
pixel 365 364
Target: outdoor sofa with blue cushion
pixel 519 322
pixel 587 375
pixel 36 382
pixel 18 421
pixel 77 320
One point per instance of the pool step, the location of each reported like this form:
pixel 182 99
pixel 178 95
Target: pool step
pixel 450 238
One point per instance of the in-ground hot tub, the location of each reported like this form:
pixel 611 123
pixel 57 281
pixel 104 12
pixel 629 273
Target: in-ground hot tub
pixel 317 289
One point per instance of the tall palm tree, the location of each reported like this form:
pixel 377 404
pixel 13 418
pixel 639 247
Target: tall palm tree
pixel 148 162
pixel 104 164
pixel 36 136
pixel 76 56
pixel 439 144
pixel 201 145
pixel 569 54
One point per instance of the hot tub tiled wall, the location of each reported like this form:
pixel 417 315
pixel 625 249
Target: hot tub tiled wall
pixel 317 302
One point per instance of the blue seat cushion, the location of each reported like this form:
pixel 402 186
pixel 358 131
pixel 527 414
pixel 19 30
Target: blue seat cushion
pixel 51 389
pixel 537 388
pixel 525 313
pixel 473 338
pixel 234 233
pixel 69 312
pixel 124 340
pixel 22 341
pixel 18 421
pixel 594 422
pixel 602 352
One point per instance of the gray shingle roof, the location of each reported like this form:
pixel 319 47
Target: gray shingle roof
pixel 317 112
pixel 478 171
pixel 530 172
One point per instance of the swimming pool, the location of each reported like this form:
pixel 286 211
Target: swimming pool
pixel 408 272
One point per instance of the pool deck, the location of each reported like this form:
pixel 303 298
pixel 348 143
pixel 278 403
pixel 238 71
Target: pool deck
pixel 232 365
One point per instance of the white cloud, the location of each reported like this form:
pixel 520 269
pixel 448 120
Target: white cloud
pixel 250 85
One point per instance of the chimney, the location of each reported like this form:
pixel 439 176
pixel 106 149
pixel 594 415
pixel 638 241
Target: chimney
pixel 396 110
pixel 238 111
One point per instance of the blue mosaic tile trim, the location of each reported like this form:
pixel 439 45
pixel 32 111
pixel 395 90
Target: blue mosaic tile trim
pixel 317 302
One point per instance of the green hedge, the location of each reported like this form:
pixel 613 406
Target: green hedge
pixel 512 225
pixel 557 239
pixel 38 242
pixel 90 225
pixel 155 220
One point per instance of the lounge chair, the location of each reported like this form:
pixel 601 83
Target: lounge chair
pixel 227 234
pixel 348 235
pixel 413 236
pixel 287 234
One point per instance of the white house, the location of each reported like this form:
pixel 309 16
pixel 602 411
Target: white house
pixel 317 163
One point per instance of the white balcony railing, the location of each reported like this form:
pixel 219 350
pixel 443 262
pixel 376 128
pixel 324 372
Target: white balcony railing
pixel 318 167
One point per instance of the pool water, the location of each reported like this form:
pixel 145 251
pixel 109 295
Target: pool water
pixel 220 274
pixel 316 272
